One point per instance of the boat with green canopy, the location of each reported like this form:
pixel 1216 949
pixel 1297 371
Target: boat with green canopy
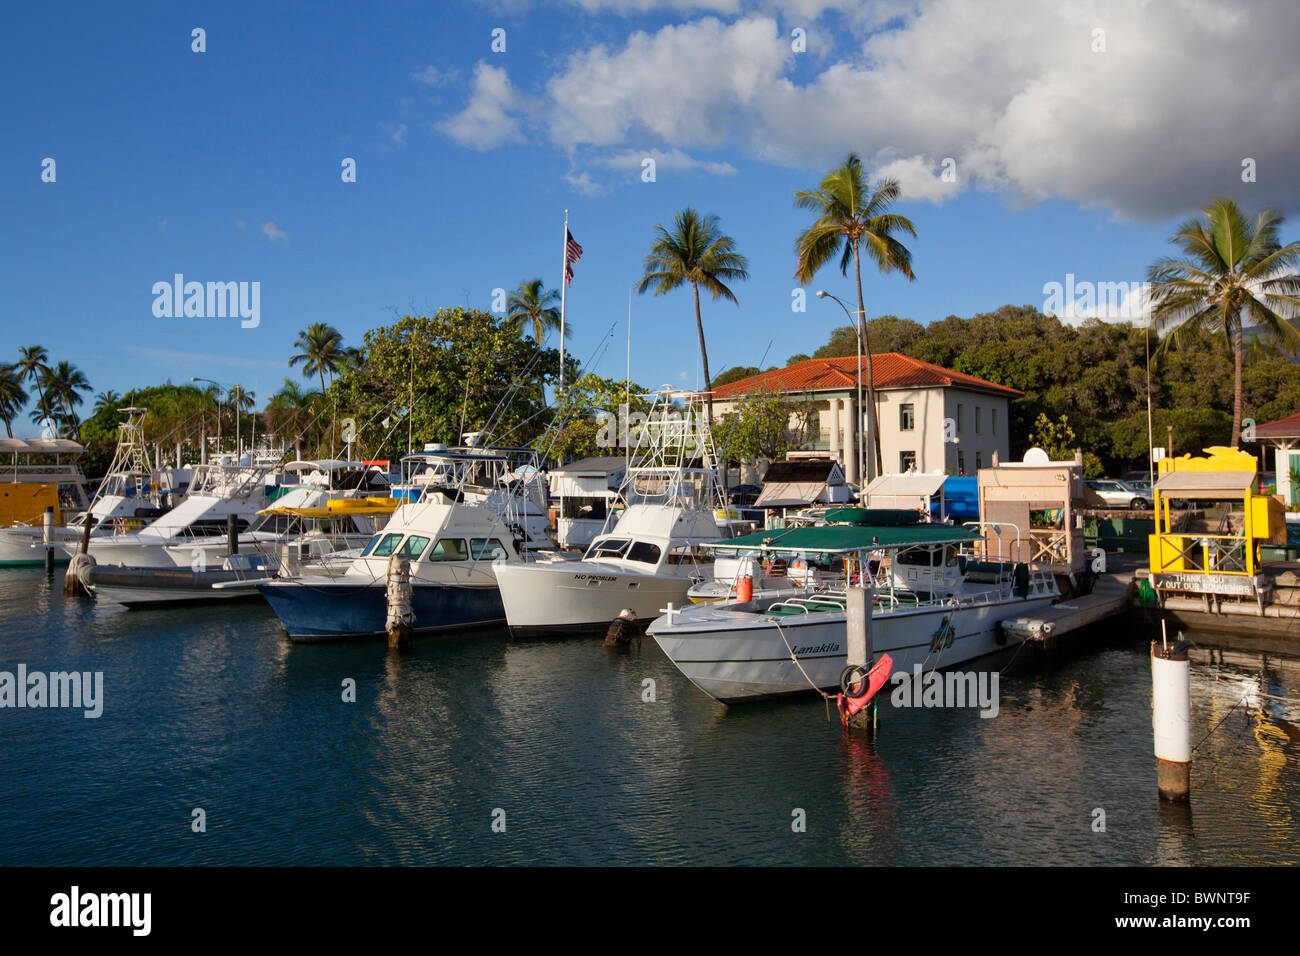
pixel 937 598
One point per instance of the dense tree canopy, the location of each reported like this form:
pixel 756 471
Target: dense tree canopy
pixel 1094 374
pixel 458 371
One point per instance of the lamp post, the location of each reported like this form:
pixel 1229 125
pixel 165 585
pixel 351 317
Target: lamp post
pixel 866 466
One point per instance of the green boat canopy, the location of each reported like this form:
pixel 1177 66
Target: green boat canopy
pixel 848 539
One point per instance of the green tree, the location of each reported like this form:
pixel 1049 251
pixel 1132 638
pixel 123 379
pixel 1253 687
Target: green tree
pixel 320 350
pixel 449 373
pixel 104 399
pixel 589 418
pixel 736 374
pixel 63 385
pixel 695 252
pixel 290 412
pixel 760 428
pixel 533 307
pixel 1232 270
pixel 12 396
pixel 32 366
pixel 852 220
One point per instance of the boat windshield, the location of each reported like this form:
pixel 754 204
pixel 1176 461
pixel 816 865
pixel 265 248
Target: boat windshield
pixel 608 548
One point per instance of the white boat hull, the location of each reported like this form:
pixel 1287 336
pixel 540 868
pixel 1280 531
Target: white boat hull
pixel 733 664
pixel 576 596
pixel 25 545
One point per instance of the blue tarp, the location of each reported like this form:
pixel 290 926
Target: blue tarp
pixel 961 498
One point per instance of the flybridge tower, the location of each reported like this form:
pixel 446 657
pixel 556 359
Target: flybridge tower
pixel 131 450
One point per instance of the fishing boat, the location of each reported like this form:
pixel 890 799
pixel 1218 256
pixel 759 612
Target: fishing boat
pixel 451 535
pixel 651 554
pixel 321 507
pixel 938 599
pixel 305 530
pixel 220 488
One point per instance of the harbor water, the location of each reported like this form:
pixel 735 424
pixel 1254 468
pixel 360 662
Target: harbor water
pixel 477 748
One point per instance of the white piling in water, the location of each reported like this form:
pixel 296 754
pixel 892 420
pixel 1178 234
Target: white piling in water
pixel 81 563
pixel 1171 721
pixel 401 610
pixel 47 538
pixel 858 625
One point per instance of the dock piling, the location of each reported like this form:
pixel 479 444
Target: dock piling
pixel 1171 692
pixel 47 538
pixel 401 612
pixel 72 578
pixel 859 654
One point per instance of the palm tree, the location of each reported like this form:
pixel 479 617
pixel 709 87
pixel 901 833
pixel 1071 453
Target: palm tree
pixel 352 360
pixel 106 400
pixel 531 303
pixel 62 385
pixel 32 366
pixel 694 251
pixel 321 351
pixel 286 407
pixel 12 396
pixel 852 219
pixel 1232 270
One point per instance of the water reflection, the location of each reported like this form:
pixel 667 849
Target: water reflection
pixel 213 707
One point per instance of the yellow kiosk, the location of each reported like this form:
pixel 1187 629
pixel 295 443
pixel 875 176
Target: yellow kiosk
pixel 1216 552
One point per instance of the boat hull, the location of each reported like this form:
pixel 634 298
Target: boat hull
pixel 152 587
pixel 573 597
pixel 328 610
pixel 25 547
pixel 734 664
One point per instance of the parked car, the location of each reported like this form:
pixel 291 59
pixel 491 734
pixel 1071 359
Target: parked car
pixel 1119 494
pixel 743 495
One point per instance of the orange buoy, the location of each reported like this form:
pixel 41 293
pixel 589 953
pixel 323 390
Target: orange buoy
pixel 745 589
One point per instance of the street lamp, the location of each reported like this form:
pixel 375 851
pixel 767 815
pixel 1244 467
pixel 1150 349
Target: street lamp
pixel 865 472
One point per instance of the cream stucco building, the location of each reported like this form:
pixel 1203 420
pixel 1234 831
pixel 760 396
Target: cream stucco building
pixel 931 418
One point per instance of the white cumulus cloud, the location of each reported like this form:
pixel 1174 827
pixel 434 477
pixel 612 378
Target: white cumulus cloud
pixel 1147 109
pixel 491 118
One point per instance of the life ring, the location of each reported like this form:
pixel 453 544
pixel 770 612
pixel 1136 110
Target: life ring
pixel 853 681
pixel 119 526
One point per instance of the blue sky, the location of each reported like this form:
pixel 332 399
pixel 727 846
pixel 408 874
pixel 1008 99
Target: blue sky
pixel 225 165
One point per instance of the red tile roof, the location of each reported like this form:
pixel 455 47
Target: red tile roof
pixel 1288 427
pixel 889 370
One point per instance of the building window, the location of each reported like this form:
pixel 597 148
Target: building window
pixel 906 460
pixel 906 417
pixel 977 419
pixel 961 460
pixel 993 420
pixel 979 460
pixel 959 416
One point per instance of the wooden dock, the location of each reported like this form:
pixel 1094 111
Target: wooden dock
pixel 1111 595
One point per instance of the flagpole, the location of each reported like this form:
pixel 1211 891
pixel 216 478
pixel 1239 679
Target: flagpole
pixel 564 284
pixel 627 386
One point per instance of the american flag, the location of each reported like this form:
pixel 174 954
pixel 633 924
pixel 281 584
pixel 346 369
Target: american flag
pixel 572 253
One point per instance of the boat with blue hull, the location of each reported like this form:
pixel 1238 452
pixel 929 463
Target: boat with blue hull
pixel 449 542
pixel 341 611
